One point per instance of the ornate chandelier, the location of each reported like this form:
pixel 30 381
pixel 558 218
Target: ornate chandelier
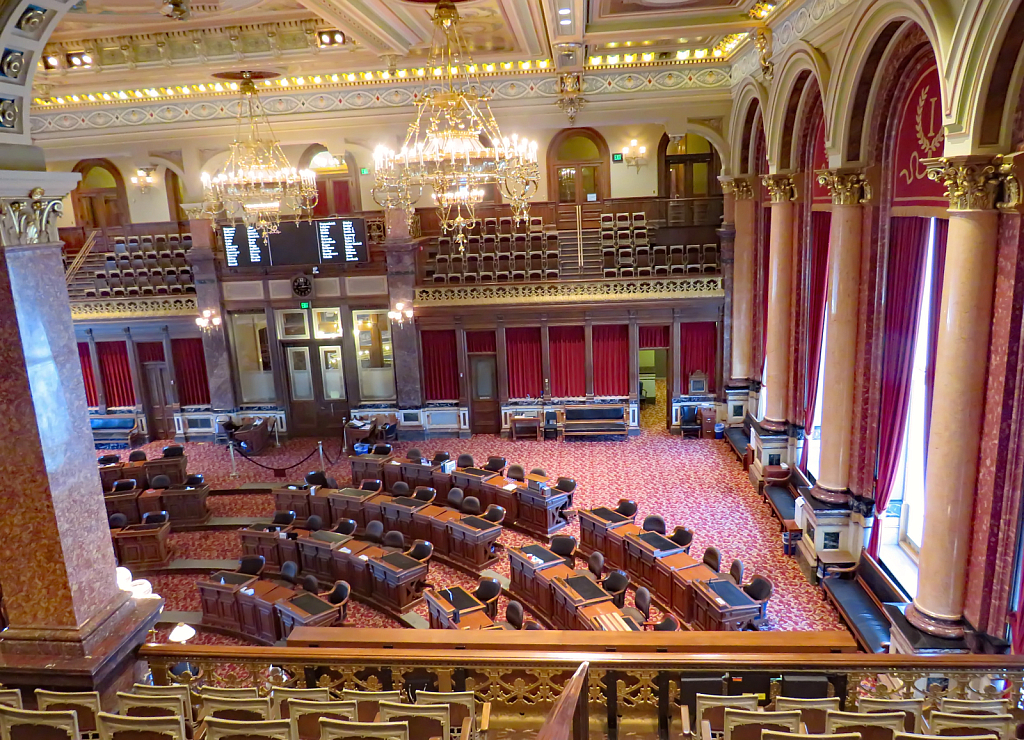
pixel 257 181
pixel 454 145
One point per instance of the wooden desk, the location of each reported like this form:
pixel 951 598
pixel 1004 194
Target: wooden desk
pixel 420 472
pixel 263 539
pixel 642 552
pixel 109 474
pixel 397 579
pixel 524 562
pixel 316 554
pixel 606 617
pixel 505 493
pixel 614 545
pixel 543 514
pixel 594 524
pixel 186 505
pixel 569 595
pixel 142 545
pixel 471 481
pixel 532 425
pixel 367 466
pixel 442 483
pixel 720 605
pixel 347 503
pixel 431 524
pixel 136 471
pixel 150 500
pixel 833 558
pixel 294 498
pixel 126 502
pixel 392 474
pixel 682 588
pixel 544 587
pixel 257 616
pixel 354 434
pixel 663 570
pixel 352 565
pixel 217 594
pixel 450 608
pixel 398 513
pixel 471 541
pixel 305 610
pixel 173 467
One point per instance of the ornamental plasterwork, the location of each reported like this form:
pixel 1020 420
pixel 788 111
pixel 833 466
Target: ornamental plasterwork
pixel 570 292
pixel 31 219
pixel 972 185
pixel 134 114
pixel 134 308
pixel 846 188
pixel 781 188
pixel 799 22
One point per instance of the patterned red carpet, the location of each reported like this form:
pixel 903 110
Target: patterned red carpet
pixel 694 482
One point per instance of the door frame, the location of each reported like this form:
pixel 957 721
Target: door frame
pixel 470 400
pixel 603 164
pixel 147 398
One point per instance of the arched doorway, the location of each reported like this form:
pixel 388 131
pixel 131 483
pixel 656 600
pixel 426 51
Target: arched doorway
pixel 337 181
pixel 578 163
pixel 690 167
pixel 100 200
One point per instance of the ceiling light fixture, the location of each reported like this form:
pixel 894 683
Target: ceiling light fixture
pixel 565 22
pixel 564 11
pixel 454 145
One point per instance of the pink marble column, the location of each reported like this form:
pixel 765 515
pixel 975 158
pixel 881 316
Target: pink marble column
pixel 208 297
pixel 401 250
pixel 841 326
pixel 959 393
pixel 780 279
pixel 743 281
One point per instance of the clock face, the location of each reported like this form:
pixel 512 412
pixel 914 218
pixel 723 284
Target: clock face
pixel 302 286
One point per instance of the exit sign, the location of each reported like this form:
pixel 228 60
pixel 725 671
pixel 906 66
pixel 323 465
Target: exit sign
pixel 304 304
pixel 617 157
pixel 364 170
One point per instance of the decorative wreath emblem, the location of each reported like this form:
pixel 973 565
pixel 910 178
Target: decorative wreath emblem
pixel 929 145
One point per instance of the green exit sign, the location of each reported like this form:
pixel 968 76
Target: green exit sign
pixel 304 304
pixel 617 157
pixel 364 170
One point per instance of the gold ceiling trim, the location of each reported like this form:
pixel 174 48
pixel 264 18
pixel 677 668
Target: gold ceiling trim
pixel 134 308
pixel 570 291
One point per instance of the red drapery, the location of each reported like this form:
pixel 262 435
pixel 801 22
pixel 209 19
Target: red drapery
pixel 698 347
pixel 440 365
pixel 481 341
pixel 116 374
pixel 654 337
pixel 821 222
pixel 568 361
pixel 935 310
pixel 150 351
pixel 611 360
pixel 525 372
pixel 90 382
pixel 904 282
pixel 190 368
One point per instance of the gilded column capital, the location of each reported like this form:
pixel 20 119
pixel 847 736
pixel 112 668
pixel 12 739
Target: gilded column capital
pixel 727 183
pixel 781 188
pixel 972 183
pixel 1011 171
pixel 743 188
pixel 29 219
pixel 847 187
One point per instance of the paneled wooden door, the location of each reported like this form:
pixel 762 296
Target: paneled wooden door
pixel 159 410
pixel 316 389
pixel 484 408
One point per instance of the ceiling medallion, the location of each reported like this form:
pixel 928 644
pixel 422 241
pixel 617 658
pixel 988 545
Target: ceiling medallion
pixel 454 145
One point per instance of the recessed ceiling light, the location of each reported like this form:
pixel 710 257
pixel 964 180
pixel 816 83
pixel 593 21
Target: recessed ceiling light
pixel 564 11
pixel 565 22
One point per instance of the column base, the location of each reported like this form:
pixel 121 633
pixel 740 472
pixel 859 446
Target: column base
pixel 944 627
pixel 771 425
pixel 832 496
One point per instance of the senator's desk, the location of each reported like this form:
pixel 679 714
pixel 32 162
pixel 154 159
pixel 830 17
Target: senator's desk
pixel 347 503
pixel 524 564
pixel 123 502
pixel 431 524
pixel 614 545
pixel 542 513
pixel 368 466
pixel 471 481
pixel 397 513
pixel 317 554
pixel 471 541
pixel 109 474
pixel 142 545
pixel 173 467
pixel 396 580
pixel 594 524
pixel 263 539
pixel 305 610
pixel 257 616
pixel 643 550
pixel 606 617
pixel 719 604
pixel 218 596
pixel 186 504
pixel 354 567
pixel 421 472
pixel 683 581
pixel 664 568
pixel 570 595
pixel 456 609
pixel 304 502
pixel 505 493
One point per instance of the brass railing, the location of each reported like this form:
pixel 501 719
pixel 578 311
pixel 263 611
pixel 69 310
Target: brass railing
pixel 80 257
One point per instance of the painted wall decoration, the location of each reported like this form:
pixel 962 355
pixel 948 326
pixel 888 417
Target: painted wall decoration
pixel 819 193
pixel 919 137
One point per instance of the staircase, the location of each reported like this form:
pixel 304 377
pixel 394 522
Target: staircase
pixel 569 264
pixel 85 276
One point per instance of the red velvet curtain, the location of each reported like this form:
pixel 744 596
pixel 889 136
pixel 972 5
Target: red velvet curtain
pixel 85 360
pixel 525 371
pixel 568 361
pixel 611 360
pixel 698 345
pixel 654 337
pixel 821 222
pixel 150 351
pixel 935 311
pixel 116 374
pixel 904 282
pixel 190 367
pixel 481 341
pixel 440 365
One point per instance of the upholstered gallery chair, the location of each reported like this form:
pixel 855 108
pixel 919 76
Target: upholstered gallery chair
pixel 465 461
pixel 616 584
pixel 713 559
pixel 565 546
pixel 654 523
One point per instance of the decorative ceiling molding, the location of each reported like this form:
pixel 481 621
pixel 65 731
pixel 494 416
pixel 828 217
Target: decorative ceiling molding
pixel 797 22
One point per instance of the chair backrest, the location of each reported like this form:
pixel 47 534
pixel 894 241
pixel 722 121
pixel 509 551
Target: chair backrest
pixel 514 615
pixel 314 523
pixel 283 518
pixel 125 484
pixel 116 727
pixel 539 471
pixel 367 701
pixel 713 559
pixel 682 536
pixel 175 689
pixel 563 544
pixel 338 595
pixel 382 449
pixel 25 724
pixel 400 488
pixel 333 729
pixel 160 482
pixel 85 704
pixel 310 583
pixel 174 451
pixel 642 601
pixel 776 735
pixel 243 710
pixel 875 726
pixel 759 588
pixel 414 453
pixel 495 514
pixel 812 711
pixel 595 563
pixel 465 461
pixel 668 623
pixel 947 723
pixel 489 588
pixel 743 724
pixel 626 507
pixel 425 720
pixel 346 526
pixel 974 706
pixel 10 698
pixel 316 478
pixel 516 472
pixel 117 520
pixel 227 729
pixel 137 456
pixel 736 572
pixel 136 705
pixel 305 715
pixel 394 538
pixel 375 530
pixel 455 498
pixel 461 704
pixel 425 494
pixel 372 484
pixel 913 709
pixel 566 485
pixel 421 550
pixel 711 707
pixel 616 581
pixel 471 505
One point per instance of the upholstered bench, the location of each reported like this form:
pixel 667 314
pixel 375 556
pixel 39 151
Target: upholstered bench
pixel 593 420
pixel 114 430
pixel 858 594
pixel 781 499
pixel 738 438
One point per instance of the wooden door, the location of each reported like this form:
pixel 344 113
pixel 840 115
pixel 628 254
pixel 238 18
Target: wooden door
pixel 332 407
pixel 159 410
pixel 301 390
pixel 484 409
pixel 316 389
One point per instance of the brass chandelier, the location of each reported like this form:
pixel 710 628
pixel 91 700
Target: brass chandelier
pixel 257 181
pixel 454 146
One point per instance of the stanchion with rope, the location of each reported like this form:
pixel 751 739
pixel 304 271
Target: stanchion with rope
pixel 234 470
pixel 320 447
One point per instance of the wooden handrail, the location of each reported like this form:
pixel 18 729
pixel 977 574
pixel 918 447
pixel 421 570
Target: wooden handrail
pixel 79 260
pixel 568 716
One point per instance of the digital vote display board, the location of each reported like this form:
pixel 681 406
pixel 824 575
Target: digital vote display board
pixel 325 241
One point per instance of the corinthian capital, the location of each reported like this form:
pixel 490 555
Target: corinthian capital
pixel 29 219
pixel 743 188
pixel 971 183
pixel 781 188
pixel 847 188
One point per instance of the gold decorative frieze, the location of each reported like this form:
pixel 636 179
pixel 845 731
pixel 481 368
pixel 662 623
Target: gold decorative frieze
pixel 847 188
pixel 134 308
pixel 971 184
pixel 781 188
pixel 570 291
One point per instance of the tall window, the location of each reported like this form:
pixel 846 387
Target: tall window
pixel 252 356
pixel 374 356
pixel 813 440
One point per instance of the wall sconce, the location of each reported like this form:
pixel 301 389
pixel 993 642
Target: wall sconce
pixel 634 155
pixel 400 314
pixel 208 321
pixel 144 178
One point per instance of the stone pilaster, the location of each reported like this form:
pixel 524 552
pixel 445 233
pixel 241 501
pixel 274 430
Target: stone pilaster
pixel 208 297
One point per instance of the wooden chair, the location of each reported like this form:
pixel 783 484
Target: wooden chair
pixel 812 711
pixel 10 698
pixel 281 698
pixel 116 727
pixel 38 725
pixel 239 710
pixel 461 707
pixel 913 736
pixel 227 729
pixel 710 711
pixel 333 729
pixel 85 705
pixel 913 710
pixel 424 720
pixel 775 735
pixel 367 701
pixel 172 705
pixel 222 693
pixel 742 724
pixel 306 715
pixel 946 723
pixel 871 726
pixel 974 706
pixel 175 689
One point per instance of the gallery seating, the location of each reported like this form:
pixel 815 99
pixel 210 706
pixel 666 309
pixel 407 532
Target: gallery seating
pixel 496 251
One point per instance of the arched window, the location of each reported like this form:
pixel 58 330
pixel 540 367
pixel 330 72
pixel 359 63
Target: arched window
pixel 100 200
pixel 578 166
pixel 691 167
pixel 337 181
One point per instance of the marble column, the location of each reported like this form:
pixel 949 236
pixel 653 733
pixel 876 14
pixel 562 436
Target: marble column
pixel 215 341
pixel 401 252
pixel 965 320
pixel 744 207
pixel 780 288
pixel 56 560
pixel 848 191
